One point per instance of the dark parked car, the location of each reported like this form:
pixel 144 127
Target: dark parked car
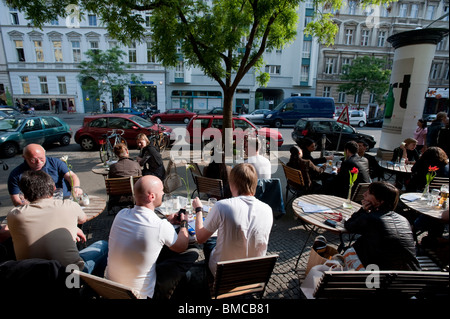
pixel 129 110
pixel 173 115
pixel 315 128
pixel 375 122
pixel 17 133
pixel 96 126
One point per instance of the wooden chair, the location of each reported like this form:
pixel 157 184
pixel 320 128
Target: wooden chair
pixel 392 284
pixel 242 277
pixel 121 186
pixel 294 181
pixel 437 182
pixel 105 288
pixel 210 186
pixel 195 170
pixel 360 189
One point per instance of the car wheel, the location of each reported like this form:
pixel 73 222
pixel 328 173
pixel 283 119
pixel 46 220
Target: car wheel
pixel 361 124
pixel 186 120
pixel 87 143
pixel 65 140
pixel 10 149
pixel 158 120
pixel 278 123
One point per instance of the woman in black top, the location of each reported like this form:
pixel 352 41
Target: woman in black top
pixel 149 158
pixel 386 237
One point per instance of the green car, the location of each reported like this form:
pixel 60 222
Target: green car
pixel 17 133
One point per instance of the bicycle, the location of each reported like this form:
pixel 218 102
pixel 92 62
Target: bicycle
pixel 107 148
pixel 160 140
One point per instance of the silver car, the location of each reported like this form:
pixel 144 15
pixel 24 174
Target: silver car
pixel 257 116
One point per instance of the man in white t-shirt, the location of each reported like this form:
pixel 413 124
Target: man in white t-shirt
pixel 243 223
pixel 261 163
pixel 137 237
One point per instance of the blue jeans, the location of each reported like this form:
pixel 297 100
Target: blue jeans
pixel 95 257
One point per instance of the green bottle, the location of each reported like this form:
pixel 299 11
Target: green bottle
pixel 389 105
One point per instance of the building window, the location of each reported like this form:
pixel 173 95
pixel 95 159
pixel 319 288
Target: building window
pixel 25 85
pixel 365 37
pixel 147 20
pixel 39 51
pixel 94 46
pixel 351 7
pixel 112 44
pixel 381 38
pixel 403 10
pixel 357 99
pixel 76 51
pixel 330 65
pixel 179 70
pixel 304 74
pixel 43 83
pixel 345 61
pixel 306 49
pixel 372 98
pixel 349 36
pixel 20 51
pixel 14 18
pixel 430 13
pixel 150 57
pixel 273 69
pixel 62 85
pixel 435 68
pixel 92 19
pixel 342 98
pixel 326 91
pixel 54 22
pixel 57 49
pixel 414 11
pixel 132 53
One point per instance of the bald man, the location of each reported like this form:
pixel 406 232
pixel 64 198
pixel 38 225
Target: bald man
pixel 136 256
pixel 36 160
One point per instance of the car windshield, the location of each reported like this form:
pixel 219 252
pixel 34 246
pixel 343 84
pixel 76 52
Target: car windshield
pixel 301 124
pixel 280 106
pixel 142 122
pixel 10 124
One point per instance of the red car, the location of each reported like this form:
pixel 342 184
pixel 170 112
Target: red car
pixel 173 115
pixel 96 126
pixel 215 121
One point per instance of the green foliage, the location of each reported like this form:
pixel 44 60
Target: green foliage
pixel 366 74
pixel 104 72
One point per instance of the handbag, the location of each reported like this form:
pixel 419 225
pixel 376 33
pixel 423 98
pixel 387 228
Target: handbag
pixel 172 180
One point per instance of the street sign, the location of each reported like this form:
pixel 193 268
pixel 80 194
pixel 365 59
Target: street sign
pixel 343 118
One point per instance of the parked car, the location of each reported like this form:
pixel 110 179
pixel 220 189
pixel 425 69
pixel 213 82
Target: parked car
pixel 7 112
pixel 356 118
pixel 257 116
pixel 375 122
pixel 129 110
pixel 95 127
pixel 216 121
pixel 173 115
pixel 16 133
pixel 294 108
pixel 315 128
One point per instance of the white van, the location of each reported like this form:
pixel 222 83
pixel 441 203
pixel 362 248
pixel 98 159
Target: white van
pixel 357 118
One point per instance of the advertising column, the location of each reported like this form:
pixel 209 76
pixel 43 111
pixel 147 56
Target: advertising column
pixel 414 52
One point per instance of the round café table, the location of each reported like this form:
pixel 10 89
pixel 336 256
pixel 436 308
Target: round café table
pixel 313 210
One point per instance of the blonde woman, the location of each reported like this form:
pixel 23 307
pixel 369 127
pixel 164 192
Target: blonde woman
pixel 149 158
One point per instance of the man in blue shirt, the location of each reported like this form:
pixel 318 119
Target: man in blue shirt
pixel 35 159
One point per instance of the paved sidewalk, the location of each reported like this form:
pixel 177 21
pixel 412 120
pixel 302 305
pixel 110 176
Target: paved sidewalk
pixel 287 238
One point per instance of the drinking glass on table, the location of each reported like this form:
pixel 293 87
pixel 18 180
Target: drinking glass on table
pixel 211 202
pixel 434 198
pixel 58 193
pixel 444 194
pixel 168 204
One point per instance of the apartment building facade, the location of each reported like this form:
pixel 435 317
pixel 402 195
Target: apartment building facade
pixel 364 32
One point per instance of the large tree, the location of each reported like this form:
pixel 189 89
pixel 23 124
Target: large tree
pixel 224 38
pixel 366 74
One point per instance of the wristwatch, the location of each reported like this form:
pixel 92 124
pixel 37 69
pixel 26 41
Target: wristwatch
pixel 77 187
pixel 198 209
pixel 183 224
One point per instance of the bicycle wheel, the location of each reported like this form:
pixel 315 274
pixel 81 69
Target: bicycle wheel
pixel 154 142
pixel 164 143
